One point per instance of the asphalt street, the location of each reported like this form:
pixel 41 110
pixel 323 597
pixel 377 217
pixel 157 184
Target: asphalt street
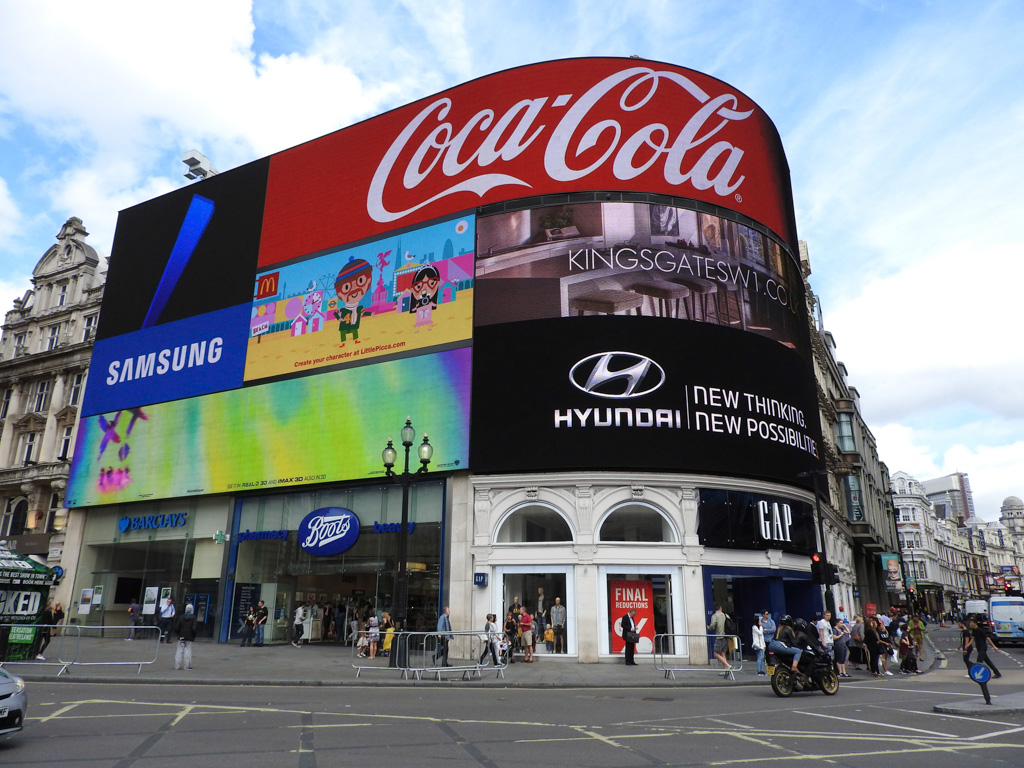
pixel 892 722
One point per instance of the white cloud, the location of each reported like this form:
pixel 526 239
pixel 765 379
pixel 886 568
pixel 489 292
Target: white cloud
pixel 10 215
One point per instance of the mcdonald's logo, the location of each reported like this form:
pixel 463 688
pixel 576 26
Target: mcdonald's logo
pixel 266 285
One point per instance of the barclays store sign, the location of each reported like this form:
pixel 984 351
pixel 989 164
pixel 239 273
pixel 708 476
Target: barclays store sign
pixel 152 522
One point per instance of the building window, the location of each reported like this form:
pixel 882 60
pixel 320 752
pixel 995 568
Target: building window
pixel 62 294
pixel 846 441
pixel 52 337
pixel 51 513
pixel 534 523
pixel 42 399
pixel 854 502
pixel 5 403
pixel 17 516
pixel 19 344
pixel 65 443
pixel 76 389
pixel 29 443
pixel 636 523
pixel 90 326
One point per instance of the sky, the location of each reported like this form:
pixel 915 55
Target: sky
pixel 902 122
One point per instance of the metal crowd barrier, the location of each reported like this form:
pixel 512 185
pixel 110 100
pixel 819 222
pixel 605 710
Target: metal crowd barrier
pixel 416 653
pixel 78 645
pixel 671 650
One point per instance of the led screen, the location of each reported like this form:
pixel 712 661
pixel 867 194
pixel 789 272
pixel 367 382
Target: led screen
pixel 637 258
pixel 393 295
pixel 310 429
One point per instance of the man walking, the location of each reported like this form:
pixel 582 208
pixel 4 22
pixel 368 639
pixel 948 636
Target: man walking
pixel 133 618
pixel 298 623
pixel 444 636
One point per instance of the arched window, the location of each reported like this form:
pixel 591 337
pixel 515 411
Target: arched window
pixel 637 522
pixel 535 524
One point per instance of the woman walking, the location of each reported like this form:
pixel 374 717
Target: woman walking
pixel 758 641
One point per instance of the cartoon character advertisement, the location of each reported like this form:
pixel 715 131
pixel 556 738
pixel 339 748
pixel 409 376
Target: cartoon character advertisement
pixel 390 296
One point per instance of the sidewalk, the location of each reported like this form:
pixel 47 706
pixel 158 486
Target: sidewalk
pixel 332 665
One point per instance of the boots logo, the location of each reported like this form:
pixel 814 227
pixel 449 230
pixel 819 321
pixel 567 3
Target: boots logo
pixel 328 531
pixel 617 375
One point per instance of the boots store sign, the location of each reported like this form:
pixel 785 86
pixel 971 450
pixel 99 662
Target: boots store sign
pixel 562 126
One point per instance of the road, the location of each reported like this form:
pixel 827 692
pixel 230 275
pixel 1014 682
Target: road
pixel 887 722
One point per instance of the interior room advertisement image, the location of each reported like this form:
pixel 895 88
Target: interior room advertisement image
pixel 625 595
pixel 638 258
pixel 311 429
pixel 394 295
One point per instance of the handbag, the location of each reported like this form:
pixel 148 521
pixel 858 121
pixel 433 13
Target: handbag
pixel 631 636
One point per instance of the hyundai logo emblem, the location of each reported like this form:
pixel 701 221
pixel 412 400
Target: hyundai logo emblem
pixel 617 375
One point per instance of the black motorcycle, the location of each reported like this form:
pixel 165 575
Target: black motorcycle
pixel 813 672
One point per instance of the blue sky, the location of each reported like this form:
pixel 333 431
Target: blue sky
pixel 902 121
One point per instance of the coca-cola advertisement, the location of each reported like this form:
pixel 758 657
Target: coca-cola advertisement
pixel 560 126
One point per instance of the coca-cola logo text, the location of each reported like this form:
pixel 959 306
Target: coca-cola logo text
pixel 579 136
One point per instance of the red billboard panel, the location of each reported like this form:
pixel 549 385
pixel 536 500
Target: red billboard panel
pixel 557 127
pixel 624 596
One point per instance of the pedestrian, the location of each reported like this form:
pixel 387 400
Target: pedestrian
pixel 444 636
pixel 134 615
pixel 185 630
pixel 885 648
pixel 841 646
pixel 908 655
pixel 387 628
pixel 965 643
pixel 721 648
pixel 511 630
pixel 58 617
pixel 526 634
pixel 856 643
pixel 248 626
pixel 45 630
pixel 629 635
pixel 262 616
pixel 980 641
pixel 298 623
pixel 373 635
pixel 825 635
pixel 167 614
pixel 916 627
pixel 757 632
pixel 768 626
pixel 492 640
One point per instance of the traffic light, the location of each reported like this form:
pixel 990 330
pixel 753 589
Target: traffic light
pixel 833 574
pixel 1007 587
pixel 817 569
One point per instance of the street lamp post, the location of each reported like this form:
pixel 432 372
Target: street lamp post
pixel 389 456
pixel 830 599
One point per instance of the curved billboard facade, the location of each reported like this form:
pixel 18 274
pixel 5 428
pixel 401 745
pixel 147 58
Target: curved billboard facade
pixel 580 264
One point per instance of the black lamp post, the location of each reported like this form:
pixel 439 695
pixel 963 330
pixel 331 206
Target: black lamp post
pixel 406 478
pixel 830 599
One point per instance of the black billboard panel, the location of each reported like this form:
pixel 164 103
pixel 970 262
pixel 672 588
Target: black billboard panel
pixel 746 520
pixel 618 392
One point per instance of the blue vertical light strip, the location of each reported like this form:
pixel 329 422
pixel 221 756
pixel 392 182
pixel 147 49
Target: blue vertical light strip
pixel 200 211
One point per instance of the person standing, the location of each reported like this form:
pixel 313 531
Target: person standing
pixel 444 636
pixel 629 635
pixel 45 630
pixel 825 636
pixel 557 616
pixel 717 625
pixel 167 614
pixel 58 617
pixel 841 645
pixel 757 634
pixel 511 629
pixel 134 615
pixel 248 626
pixel 856 642
pixel 262 616
pixel 298 623
pixel 526 628
pixel 185 630
pixel 768 626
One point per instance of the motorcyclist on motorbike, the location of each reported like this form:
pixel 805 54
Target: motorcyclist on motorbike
pixel 785 642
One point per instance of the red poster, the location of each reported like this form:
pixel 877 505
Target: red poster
pixel 632 594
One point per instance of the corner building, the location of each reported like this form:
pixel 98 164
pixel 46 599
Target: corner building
pixel 579 277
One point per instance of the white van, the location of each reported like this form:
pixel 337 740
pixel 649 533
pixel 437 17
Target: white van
pixel 975 607
pixel 1006 618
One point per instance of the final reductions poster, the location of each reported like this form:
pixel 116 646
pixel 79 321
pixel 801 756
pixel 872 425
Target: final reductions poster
pixel 632 594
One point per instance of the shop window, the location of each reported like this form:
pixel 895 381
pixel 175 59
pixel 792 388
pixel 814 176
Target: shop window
pixel 534 524
pixel 636 522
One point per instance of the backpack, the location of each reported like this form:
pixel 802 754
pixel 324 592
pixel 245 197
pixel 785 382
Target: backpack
pixel 730 625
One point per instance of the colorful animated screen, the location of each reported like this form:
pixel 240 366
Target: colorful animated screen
pixel 393 295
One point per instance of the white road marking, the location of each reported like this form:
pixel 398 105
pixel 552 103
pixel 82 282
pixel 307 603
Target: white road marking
pixel 876 724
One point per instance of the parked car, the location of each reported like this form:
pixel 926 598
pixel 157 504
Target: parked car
pixel 13 702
